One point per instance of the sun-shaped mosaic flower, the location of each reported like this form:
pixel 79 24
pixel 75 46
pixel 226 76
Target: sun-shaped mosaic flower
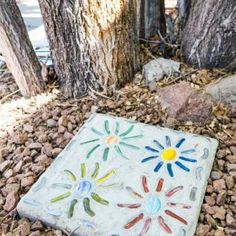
pixel 82 189
pixel 170 155
pixel 116 139
pixel 154 206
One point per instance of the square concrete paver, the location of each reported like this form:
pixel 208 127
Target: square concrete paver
pixel 118 177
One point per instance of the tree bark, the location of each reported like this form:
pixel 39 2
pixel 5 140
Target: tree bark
pixel 183 11
pixel 93 43
pixel 152 18
pixel 18 51
pixel 209 34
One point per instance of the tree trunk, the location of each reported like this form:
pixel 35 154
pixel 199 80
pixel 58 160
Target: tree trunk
pixel 209 34
pixel 18 51
pixel 93 43
pixel 183 11
pixel 152 18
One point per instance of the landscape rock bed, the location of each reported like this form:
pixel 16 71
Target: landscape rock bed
pixel 42 131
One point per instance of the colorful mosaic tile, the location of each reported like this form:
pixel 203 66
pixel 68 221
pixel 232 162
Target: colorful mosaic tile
pixel 117 177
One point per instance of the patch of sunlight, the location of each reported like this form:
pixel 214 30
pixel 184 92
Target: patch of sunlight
pixel 16 111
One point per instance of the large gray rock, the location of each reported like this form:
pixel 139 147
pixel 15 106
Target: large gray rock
pixel 224 90
pixel 184 103
pixel 157 69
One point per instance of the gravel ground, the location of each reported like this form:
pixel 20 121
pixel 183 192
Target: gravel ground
pixel 33 132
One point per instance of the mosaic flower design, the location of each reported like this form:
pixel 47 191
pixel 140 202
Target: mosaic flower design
pixel 154 207
pixel 170 155
pixel 82 189
pixel 112 139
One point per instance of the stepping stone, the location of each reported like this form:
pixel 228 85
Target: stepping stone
pixel 120 177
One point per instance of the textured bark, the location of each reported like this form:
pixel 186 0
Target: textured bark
pixel 152 18
pixel 209 34
pixel 17 50
pixel 183 6
pixel 93 42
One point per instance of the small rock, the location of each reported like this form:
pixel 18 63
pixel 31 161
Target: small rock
pixel 230 231
pixel 51 123
pixel 56 151
pixel 68 135
pixel 58 233
pixel 9 234
pixel 231 158
pixel 18 150
pixel 171 122
pixel 27 181
pixel 8 173
pixel 220 200
pixel 33 153
pixel 219 185
pixel 202 230
pixel 208 209
pixel 221 153
pixel 63 121
pixel 221 164
pixel 232 173
pixel 28 128
pixel 210 200
pixel 42 159
pixel 45 116
pixel 23 229
pixel 158 68
pixel 18 166
pixel 26 152
pixel 4 228
pixel 28 159
pixel 61 129
pixel 20 138
pixel 36 233
pixel 210 189
pixel 47 149
pixel 36 146
pixel 2 182
pixel 231 167
pixel 233 149
pixel 219 232
pixel 224 90
pixel 152 87
pixel 230 221
pixel 56 112
pixel 229 182
pixel 233 198
pixel 211 221
pixel 4 152
pixel 2 199
pixel 37 225
pixel 12 180
pixel 4 165
pixel 42 138
pixel 219 213
pixel 11 201
pixel 9 188
pixel 38 169
pixel 59 141
pixel 215 175
pixel 185 104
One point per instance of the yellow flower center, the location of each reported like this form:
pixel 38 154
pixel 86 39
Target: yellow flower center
pixel 111 139
pixel 169 154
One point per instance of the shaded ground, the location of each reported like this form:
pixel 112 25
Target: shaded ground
pixel 36 130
